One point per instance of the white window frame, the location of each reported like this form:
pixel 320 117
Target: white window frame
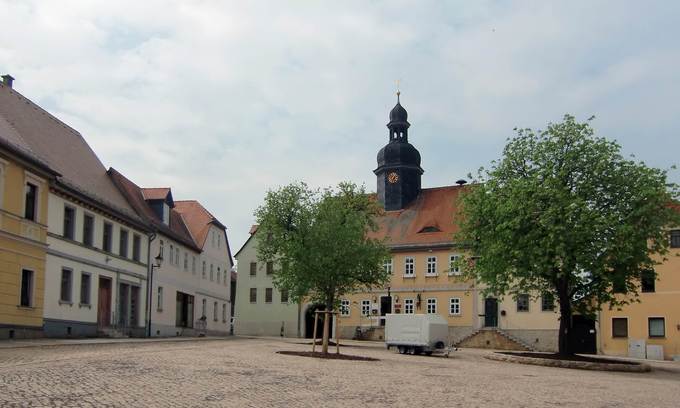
pixel 388 264
pixel 454 270
pixel 431 266
pixel 431 302
pixel 345 308
pixel 70 289
pixel 409 267
pixel 365 308
pixel 665 331
pixel 409 306
pixel 224 312
pixel 528 298
pixel 39 185
pixel 31 296
pixel 454 306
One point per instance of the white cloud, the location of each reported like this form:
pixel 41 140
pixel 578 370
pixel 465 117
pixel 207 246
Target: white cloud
pixel 224 100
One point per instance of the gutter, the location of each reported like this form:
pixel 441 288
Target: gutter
pixel 149 283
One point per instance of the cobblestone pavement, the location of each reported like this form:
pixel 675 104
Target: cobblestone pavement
pixel 243 372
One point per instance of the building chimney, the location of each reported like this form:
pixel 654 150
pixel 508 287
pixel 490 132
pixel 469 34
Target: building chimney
pixel 461 182
pixel 7 80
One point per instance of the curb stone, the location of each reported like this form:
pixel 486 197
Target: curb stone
pixel 582 365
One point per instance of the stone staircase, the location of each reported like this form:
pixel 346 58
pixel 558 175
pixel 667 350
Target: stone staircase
pixel 493 338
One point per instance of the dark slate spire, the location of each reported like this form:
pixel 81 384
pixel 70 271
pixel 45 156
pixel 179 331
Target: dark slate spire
pixel 399 170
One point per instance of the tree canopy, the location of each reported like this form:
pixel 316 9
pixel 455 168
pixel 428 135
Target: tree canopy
pixel 564 213
pixel 320 243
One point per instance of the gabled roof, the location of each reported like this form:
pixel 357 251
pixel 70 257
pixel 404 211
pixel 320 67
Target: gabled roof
pixel 177 229
pixel 161 193
pixel 433 211
pixel 62 148
pixel 253 230
pixel 198 220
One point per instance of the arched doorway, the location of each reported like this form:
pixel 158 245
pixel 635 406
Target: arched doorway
pixel 309 321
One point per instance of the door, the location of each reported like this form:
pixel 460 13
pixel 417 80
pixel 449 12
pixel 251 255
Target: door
pixel 490 312
pixel 134 306
pixel 104 303
pixel 123 305
pixel 583 339
pixel 385 308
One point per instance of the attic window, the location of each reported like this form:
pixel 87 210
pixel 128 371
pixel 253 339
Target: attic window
pixel 429 229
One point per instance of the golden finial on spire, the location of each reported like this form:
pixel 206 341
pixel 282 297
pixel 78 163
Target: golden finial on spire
pixel 398 91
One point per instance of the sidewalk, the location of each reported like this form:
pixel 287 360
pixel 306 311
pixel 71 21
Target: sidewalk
pixel 10 344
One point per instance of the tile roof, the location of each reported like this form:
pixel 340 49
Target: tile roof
pixel 61 147
pixel 433 210
pixel 155 193
pixel 134 194
pixel 198 219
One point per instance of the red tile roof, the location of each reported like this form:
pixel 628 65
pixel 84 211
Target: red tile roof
pixel 198 219
pixel 134 194
pixel 155 193
pixel 434 207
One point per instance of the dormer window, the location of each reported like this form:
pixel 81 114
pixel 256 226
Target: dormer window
pixel 429 229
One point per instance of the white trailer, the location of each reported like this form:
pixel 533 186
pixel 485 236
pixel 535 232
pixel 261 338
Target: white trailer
pixel 417 333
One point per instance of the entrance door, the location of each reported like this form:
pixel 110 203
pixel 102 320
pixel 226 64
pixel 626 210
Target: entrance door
pixel 185 310
pixel 134 306
pixel 582 339
pixel 104 303
pixel 490 312
pixel 385 308
pixel 123 305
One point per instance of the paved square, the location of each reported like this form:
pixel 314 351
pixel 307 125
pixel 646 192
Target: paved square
pixel 244 372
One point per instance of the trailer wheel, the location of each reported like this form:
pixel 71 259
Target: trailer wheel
pixel 412 351
pixel 418 351
pixel 428 353
pixel 402 349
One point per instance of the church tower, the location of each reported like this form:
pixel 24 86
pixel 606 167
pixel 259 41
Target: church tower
pixel 399 168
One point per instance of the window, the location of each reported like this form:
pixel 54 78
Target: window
pixel 431 265
pixel 675 238
pixel 253 268
pixel 203 308
pixel 284 295
pixel 214 311
pixel 454 269
pixel 454 306
pixel 218 240
pixel 253 295
pixel 365 307
pixel 88 230
pixel 431 306
pixel 647 281
pixel 268 294
pixel 522 303
pixel 225 277
pixel 270 268
pixel 344 307
pixel 224 312
pixel 85 289
pixel 409 266
pixel 212 273
pixel 408 306
pixel 31 205
pixel 66 285
pixel 159 299
pixel 657 327
pixel 177 256
pixel 203 271
pixel 186 262
pixel 193 265
pixel 26 299
pixel 123 243
pixel 107 237
pixel 619 285
pixel 136 247
pixel 161 248
pixel 219 274
pixel 69 222
pixel 547 302
pixel 619 327
pixel 388 266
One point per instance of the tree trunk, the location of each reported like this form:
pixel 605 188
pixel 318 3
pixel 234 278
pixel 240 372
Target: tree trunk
pixel 326 325
pixel 565 318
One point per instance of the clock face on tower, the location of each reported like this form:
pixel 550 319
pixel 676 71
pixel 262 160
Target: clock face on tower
pixel 393 177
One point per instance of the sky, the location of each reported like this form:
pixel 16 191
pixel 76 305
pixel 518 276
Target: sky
pixel 224 100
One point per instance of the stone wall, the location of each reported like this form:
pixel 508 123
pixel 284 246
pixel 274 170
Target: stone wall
pixel 541 340
pixel 491 339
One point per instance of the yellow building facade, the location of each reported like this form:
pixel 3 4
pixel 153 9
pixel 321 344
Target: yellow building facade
pixel 24 186
pixel 651 328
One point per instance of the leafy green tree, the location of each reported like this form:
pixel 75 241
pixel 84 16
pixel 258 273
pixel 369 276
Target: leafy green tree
pixel 563 213
pixel 319 240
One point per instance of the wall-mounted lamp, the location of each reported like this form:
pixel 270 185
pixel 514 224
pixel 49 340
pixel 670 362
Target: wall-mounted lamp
pixel 159 260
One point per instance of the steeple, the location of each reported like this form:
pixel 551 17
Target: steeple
pixel 399 170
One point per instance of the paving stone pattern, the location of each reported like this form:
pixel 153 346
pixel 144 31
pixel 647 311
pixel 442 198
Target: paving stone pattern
pixel 244 372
